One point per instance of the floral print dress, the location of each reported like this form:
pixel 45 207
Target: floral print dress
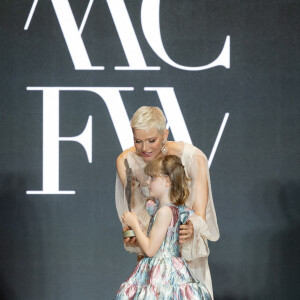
pixel 165 275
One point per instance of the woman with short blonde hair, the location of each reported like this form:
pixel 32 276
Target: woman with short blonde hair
pixel 150 141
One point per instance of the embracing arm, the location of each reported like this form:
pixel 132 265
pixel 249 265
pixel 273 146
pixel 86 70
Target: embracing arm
pixel 205 217
pixel 121 169
pixel 203 221
pixel 199 191
pixel 201 186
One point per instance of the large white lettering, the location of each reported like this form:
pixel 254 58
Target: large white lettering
pixel 51 138
pixel 151 28
pixel 70 32
pixel 128 37
pixel 114 103
pixel 150 15
pixel 172 112
pixel 51 141
pixel 150 23
pixel 72 36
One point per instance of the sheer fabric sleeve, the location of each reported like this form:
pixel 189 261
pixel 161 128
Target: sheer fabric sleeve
pixel 138 202
pixel 203 230
pixel 121 205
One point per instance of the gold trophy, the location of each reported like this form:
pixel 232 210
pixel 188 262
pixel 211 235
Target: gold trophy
pixel 128 233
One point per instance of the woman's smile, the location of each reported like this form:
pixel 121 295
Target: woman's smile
pixel 146 154
pixel 148 143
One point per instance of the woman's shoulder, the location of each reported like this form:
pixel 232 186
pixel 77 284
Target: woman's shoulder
pixel 135 162
pixel 123 155
pixel 175 148
pixel 184 149
pixel 188 153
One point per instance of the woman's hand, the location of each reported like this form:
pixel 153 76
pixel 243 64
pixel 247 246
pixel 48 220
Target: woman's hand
pixel 130 219
pixel 186 232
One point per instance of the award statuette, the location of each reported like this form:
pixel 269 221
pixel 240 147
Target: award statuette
pixel 128 233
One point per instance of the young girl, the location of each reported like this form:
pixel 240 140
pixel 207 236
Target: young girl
pixel 162 273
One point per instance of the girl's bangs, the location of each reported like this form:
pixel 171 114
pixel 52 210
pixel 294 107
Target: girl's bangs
pixel 153 168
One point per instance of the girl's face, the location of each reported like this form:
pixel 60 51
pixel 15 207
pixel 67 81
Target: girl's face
pixel 157 186
pixel 149 142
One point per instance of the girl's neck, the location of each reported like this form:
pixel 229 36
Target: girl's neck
pixel 164 200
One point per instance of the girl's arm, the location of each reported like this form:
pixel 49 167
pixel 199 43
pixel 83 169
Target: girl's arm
pixel 151 244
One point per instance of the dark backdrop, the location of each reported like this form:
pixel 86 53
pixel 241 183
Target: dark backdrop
pixel 69 246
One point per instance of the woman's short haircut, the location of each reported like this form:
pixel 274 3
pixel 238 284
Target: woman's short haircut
pixel 147 117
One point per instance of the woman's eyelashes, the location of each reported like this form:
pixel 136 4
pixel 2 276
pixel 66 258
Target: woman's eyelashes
pixel 151 141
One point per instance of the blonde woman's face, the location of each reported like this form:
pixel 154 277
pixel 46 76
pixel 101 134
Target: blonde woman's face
pixel 148 142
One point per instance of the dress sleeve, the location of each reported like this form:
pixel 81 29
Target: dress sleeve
pixel 203 230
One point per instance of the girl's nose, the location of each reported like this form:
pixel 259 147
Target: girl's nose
pixel 148 182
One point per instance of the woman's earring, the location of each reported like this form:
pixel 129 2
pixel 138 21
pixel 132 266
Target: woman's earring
pixel 164 149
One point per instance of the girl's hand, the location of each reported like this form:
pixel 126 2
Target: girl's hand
pixel 130 219
pixel 186 232
pixel 130 241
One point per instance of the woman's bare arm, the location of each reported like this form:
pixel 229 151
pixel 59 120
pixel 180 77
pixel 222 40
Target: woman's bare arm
pixel 199 177
pixel 201 187
pixel 121 169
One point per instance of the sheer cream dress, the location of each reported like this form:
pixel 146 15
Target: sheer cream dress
pixel 196 251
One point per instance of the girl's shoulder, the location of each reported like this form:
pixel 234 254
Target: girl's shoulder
pixel 164 211
pixel 168 210
pixel 164 214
